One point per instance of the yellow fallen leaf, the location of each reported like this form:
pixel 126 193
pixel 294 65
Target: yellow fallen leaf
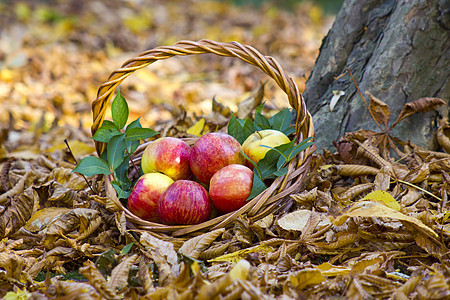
pixel 78 148
pixel 306 277
pixel 42 218
pixel 383 197
pixel 361 265
pixel 18 295
pixel 372 209
pixel 240 254
pixel 328 269
pixel 240 270
pixel 197 128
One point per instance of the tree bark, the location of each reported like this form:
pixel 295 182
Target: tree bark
pixel 398 50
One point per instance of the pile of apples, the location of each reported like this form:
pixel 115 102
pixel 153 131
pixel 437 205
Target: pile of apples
pixel 182 184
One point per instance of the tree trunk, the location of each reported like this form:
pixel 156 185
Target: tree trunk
pixel 398 50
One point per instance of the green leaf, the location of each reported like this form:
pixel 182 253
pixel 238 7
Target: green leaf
pixel 285 159
pixel 126 249
pixel 108 124
pixel 92 165
pixel 261 121
pixel 269 164
pixel 105 261
pixel 274 149
pixel 132 146
pixel 281 172
pixel 240 129
pixel 119 111
pixel 257 188
pixel 255 165
pixel 121 193
pixel 136 134
pixel 135 124
pixel 106 132
pixel 300 147
pixel 121 174
pixel 281 120
pixel 289 131
pixel 116 151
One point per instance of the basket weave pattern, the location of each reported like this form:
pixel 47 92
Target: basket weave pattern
pixel 274 196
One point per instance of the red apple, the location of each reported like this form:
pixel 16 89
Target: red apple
pixel 167 155
pixel 144 197
pixel 212 152
pixel 184 202
pixel 230 187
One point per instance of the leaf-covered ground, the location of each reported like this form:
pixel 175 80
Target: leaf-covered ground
pixel 371 220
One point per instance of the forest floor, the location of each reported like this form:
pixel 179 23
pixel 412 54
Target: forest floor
pixel 369 220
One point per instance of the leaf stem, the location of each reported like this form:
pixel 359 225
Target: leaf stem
pixel 360 94
pixel 132 162
pixel 420 189
pixel 76 162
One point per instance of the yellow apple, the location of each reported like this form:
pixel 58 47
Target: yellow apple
pixel 268 137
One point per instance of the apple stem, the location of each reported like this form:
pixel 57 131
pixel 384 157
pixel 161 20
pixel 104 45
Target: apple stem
pixel 260 135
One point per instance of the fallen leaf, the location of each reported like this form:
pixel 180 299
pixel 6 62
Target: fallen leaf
pixel 306 277
pixel 197 128
pixel 383 197
pixel 196 245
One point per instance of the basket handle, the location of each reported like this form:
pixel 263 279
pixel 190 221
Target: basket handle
pixel 233 49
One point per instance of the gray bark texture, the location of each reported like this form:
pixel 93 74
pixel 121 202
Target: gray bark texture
pixel 398 50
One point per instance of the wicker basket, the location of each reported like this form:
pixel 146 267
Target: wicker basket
pixel 276 195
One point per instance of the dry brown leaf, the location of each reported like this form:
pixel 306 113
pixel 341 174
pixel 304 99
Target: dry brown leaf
pixel 342 239
pixel 354 191
pixel 4 175
pixel 214 251
pixel 371 262
pixel 112 201
pixel 417 175
pixel 408 287
pixel 443 136
pixel 67 178
pixel 355 170
pixel 18 188
pixel 196 245
pixel 382 180
pixel 368 150
pixel 119 275
pixel 145 273
pixel 74 290
pixel 164 256
pixel 305 196
pixel 211 291
pixel 247 106
pixel 379 110
pixel 373 209
pixel 96 279
pixel 420 105
pixel 411 197
pixel 17 212
pixel 78 218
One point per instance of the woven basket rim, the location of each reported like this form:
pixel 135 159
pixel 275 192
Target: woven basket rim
pixel 281 187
